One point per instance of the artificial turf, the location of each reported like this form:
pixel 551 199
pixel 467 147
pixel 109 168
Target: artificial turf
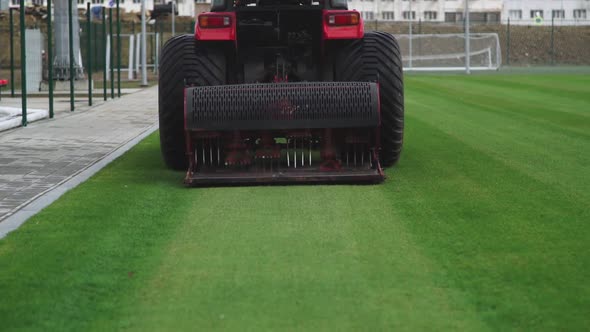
pixel 483 225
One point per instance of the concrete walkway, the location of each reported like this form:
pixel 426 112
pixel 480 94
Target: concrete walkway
pixel 38 106
pixel 44 155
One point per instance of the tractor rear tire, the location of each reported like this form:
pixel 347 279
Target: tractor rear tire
pixel 183 62
pixel 376 58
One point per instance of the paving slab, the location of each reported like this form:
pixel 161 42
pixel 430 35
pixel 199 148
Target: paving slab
pixel 38 159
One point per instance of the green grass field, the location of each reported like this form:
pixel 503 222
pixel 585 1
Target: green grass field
pixel 483 225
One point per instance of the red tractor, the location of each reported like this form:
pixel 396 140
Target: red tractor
pixel 281 91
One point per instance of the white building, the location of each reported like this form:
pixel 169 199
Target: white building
pixel 427 10
pixel 185 7
pixel 563 12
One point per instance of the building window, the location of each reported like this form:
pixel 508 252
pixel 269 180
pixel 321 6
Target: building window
pixel 515 14
pixel 15 2
pixel 453 17
pixel 430 15
pixel 494 17
pixel 136 1
pixel 388 16
pixel 367 16
pixel 579 13
pixel 406 15
pixel 536 12
pixel 558 13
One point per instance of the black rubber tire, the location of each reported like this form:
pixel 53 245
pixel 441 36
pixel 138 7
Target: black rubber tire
pixel 377 58
pixel 183 62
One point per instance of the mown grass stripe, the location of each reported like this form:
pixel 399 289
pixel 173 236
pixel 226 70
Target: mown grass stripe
pixel 280 266
pixel 514 242
pixel 521 144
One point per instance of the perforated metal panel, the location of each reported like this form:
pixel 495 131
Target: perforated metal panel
pixel 283 106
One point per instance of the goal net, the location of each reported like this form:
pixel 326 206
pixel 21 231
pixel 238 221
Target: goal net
pixel 438 52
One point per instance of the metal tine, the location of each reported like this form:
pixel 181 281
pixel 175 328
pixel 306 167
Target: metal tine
pixel 288 162
pixel 302 154
pixel 218 155
pixel 363 156
pixel 295 151
pixel 204 152
pixel 354 153
pixel 347 150
pixel 210 153
pixel 310 151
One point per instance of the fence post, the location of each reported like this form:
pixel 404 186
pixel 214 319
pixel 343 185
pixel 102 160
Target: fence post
pixel 156 60
pixel 144 81
pixel 420 25
pixel 410 33
pixel 50 59
pixel 173 5
pixel 118 50
pixel 153 46
pixel 467 40
pixel 419 39
pixel 508 43
pixel 23 64
pixel 71 45
pixel 104 53
pixel 552 40
pixel 11 53
pixel 111 53
pixel 162 31
pixel 89 50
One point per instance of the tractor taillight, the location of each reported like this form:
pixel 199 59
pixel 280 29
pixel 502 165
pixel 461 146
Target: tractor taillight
pixel 349 18
pixel 214 21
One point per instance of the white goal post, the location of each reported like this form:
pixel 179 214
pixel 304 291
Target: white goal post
pixel 446 52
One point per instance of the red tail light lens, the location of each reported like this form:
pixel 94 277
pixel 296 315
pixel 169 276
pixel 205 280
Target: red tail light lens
pixel 214 21
pixel 350 18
